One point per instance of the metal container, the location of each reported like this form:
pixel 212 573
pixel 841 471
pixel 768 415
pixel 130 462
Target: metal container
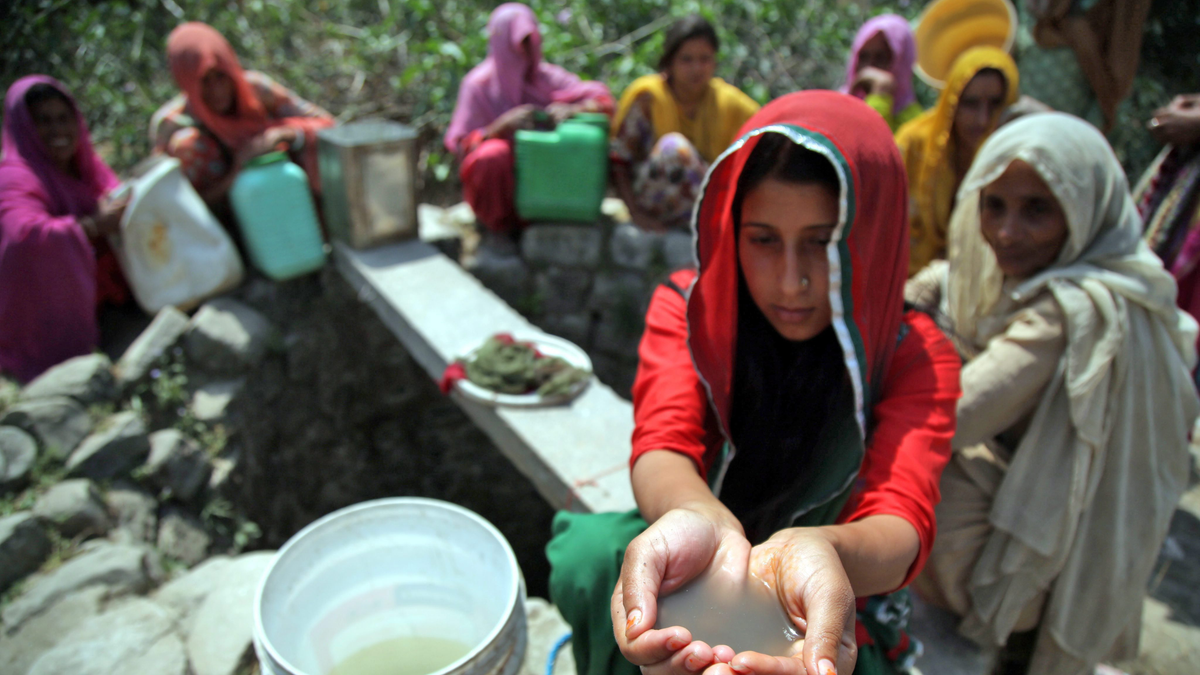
pixel 368 174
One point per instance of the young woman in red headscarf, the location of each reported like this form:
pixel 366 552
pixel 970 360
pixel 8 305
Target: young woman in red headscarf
pixel 55 264
pixel 226 116
pixel 792 418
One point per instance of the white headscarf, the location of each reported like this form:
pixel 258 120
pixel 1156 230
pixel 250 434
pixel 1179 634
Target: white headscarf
pixel 1089 494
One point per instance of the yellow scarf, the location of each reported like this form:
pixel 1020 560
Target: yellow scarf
pixel 927 146
pixel 718 118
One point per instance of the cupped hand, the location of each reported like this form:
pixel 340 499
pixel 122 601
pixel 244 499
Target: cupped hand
pixel 680 546
pixel 561 112
pixel 108 215
pixel 520 117
pixel 805 571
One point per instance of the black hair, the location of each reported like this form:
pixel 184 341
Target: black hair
pixel 43 91
pixel 777 157
pixel 687 28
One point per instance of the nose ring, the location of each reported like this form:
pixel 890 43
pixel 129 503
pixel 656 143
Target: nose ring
pixel 803 282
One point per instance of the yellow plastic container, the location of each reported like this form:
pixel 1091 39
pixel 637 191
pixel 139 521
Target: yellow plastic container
pixel 562 174
pixel 947 28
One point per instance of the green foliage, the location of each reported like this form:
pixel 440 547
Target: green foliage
pixel 47 470
pixel 221 518
pixel 405 59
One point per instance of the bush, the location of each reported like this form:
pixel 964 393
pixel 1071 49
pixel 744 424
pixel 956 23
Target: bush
pixel 404 59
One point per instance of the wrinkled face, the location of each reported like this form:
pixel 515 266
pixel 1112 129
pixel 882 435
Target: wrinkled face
pixel 1022 221
pixel 692 66
pixel 979 108
pixel 875 53
pixel 218 92
pixel 57 128
pixel 782 253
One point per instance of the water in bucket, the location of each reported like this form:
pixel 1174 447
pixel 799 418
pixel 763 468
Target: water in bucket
pixel 746 617
pixel 402 586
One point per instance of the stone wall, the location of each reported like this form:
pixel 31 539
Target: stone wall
pixel 588 283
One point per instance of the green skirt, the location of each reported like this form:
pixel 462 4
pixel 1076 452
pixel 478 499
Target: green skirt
pixel 585 562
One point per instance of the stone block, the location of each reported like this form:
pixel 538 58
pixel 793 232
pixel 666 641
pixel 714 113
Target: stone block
pixel 24 546
pixel 182 536
pixel 575 327
pixel 506 276
pixel 562 245
pixel 58 423
pixel 211 401
pixel 134 514
pixel 619 289
pixel 162 334
pixel 87 379
pixel 563 290
pixel 220 630
pixel 227 336
pixel 678 250
pixel 18 452
pixel 136 636
pixel 632 248
pixel 116 449
pixel 176 463
pixel 75 508
pixel 120 568
pixel 20 648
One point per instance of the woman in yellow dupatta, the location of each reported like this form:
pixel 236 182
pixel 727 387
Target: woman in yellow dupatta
pixel 671 125
pixel 938 146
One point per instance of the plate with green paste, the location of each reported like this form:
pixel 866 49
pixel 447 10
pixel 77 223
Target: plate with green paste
pixel 524 371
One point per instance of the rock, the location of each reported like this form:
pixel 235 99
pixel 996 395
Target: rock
pixel 75 508
pixel 563 290
pixel 121 568
pixel 58 423
pixel 563 245
pixel 177 463
pixel 679 250
pixel 134 514
pixel 211 400
pixel 20 648
pixel 115 450
pixel 631 247
pixel 545 626
pixel 138 636
pixel 506 276
pixel 87 379
pixel 162 333
pixel 227 336
pixel 222 470
pixel 182 536
pixel 220 637
pixel 24 546
pixel 18 452
pixel 184 594
pixel 574 327
pixel 614 290
pixel 10 391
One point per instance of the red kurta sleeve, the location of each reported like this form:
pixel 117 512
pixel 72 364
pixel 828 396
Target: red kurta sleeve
pixel 910 444
pixel 670 406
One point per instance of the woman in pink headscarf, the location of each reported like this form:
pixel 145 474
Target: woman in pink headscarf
pixel 880 69
pixel 501 95
pixel 55 267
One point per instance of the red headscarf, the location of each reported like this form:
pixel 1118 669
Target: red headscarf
pixel 868 253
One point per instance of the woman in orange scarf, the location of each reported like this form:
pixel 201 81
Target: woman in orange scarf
pixel 939 146
pixel 226 116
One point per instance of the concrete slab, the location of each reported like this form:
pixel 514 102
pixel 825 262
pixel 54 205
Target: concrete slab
pixel 576 454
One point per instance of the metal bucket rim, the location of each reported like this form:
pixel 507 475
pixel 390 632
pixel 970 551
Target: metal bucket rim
pixel 260 633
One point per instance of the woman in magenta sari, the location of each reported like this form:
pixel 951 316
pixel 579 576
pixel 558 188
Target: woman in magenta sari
pixel 55 266
pixel 500 96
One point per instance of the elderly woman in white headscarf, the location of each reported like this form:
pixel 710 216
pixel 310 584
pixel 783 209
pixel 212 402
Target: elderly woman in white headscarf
pixel 1071 447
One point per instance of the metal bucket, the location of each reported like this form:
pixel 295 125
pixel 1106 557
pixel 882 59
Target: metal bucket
pixel 386 569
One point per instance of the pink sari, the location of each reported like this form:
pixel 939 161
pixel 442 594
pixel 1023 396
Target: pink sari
pixel 48 267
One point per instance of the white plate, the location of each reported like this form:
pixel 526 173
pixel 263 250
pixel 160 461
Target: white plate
pixel 547 345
